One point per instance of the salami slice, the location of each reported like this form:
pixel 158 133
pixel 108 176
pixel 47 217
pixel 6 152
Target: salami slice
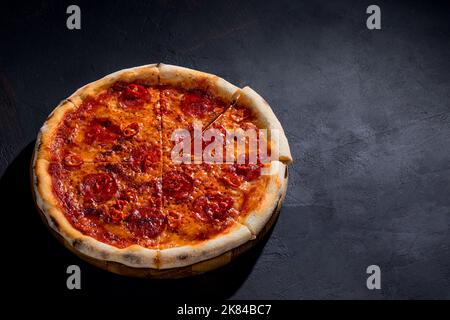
pixel 99 187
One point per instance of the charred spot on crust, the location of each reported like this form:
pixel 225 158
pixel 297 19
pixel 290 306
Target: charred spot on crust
pixel 51 115
pixel 132 258
pixel 104 255
pixel 158 259
pixel 78 243
pixel 39 146
pixel 54 222
pixel 182 257
pixel 70 100
pixel 84 247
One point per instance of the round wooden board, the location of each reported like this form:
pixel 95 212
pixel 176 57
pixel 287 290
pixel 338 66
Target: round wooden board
pixel 173 273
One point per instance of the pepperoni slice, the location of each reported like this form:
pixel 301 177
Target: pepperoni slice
pixel 72 160
pixel 144 157
pixel 92 212
pixel 213 207
pixel 103 98
pixel 118 211
pixel 128 195
pixel 120 170
pixel 88 105
pixel 231 179
pixel 146 222
pixel 99 187
pixel 195 104
pixel 131 130
pixel 102 130
pixel 118 87
pixel 249 172
pixel 177 185
pixel 133 96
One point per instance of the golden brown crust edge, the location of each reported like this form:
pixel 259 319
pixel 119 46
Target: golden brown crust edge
pixel 192 79
pixel 133 256
pixel 140 257
pixel 190 254
pixel 267 120
pixel 146 73
pixel 46 133
pixel 276 188
pixel 248 229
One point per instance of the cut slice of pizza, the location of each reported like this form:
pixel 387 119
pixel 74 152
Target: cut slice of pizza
pixel 102 121
pixel 102 208
pixel 260 194
pixel 255 175
pixel 201 217
pixel 190 100
pixel 250 121
pixel 213 207
pixel 183 188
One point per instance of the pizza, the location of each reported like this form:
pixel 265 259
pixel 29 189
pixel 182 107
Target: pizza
pixel 148 167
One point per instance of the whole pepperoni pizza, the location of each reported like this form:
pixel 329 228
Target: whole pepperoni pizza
pixel 105 178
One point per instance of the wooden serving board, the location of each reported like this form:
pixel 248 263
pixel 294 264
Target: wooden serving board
pixel 173 273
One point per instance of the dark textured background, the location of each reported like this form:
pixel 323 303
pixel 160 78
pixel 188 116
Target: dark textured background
pixel 366 113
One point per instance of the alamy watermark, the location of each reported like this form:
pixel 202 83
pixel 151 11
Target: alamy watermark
pixel 373 22
pixel 374 280
pixel 73 22
pixel 220 145
pixel 74 279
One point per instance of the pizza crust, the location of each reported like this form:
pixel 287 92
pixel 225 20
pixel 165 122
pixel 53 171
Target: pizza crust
pixel 134 256
pixel 267 120
pixel 190 254
pixel 147 73
pixel 196 80
pixel 47 132
pixel 275 189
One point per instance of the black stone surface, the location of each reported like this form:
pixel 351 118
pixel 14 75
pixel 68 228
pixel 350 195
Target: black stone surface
pixel 366 113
